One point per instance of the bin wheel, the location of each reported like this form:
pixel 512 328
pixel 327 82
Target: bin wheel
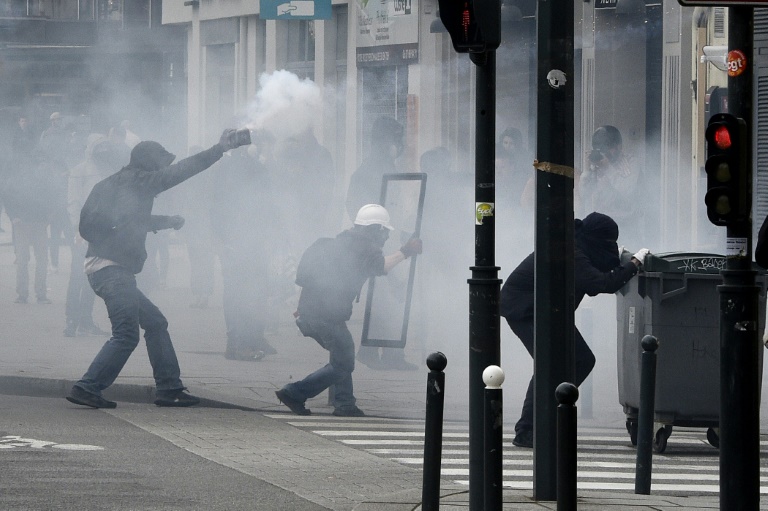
pixel 660 439
pixel 713 437
pixel 632 430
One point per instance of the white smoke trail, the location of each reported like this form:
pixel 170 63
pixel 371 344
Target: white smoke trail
pixel 284 104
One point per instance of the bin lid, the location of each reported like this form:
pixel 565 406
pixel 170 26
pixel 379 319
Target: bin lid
pixel 684 262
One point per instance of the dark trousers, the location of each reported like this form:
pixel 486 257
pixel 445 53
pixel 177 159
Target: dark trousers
pixel 336 338
pixel 585 361
pixel 129 310
pixel 30 236
pixel 244 296
pixel 80 296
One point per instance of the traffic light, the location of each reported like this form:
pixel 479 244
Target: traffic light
pixel 728 199
pixel 474 25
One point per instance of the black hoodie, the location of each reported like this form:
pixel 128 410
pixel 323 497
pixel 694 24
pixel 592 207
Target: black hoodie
pixel 597 269
pixel 149 173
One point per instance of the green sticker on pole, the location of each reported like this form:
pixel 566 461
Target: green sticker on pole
pixel 295 9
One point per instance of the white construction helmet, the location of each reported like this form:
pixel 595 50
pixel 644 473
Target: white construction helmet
pixel 372 214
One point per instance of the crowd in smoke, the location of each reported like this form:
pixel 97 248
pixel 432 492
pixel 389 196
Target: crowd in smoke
pixel 277 198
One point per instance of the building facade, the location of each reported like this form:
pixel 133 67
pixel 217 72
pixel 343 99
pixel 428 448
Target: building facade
pixel 638 64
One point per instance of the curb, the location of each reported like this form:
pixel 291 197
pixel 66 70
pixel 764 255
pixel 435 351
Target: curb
pixel 131 393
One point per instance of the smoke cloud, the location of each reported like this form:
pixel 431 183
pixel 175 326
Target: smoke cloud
pixel 284 104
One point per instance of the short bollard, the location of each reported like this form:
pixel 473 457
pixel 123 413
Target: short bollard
pixel 566 394
pixel 493 377
pixel 433 432
pixel 644 463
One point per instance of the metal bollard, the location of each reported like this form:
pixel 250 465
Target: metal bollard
pixel 493 377
pixel 433 432
pixel 644 463
pixel 566 394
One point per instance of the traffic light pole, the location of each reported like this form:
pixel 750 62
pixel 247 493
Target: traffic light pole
pixel 484 286
pixel 554 293
pixel 740 348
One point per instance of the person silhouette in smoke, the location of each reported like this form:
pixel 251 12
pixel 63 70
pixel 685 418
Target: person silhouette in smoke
pixel 244 230
pixel 329 283
pixel 611 181
pixel 597 269
pixel 102 158
pixel 309 169
pixel 387 144
pixel 114 258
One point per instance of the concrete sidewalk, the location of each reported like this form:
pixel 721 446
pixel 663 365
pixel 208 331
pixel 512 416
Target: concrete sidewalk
pixel 36 359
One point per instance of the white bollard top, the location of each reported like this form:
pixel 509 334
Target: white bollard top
pixel 493 376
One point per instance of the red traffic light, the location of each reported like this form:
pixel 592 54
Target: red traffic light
pixel 722 138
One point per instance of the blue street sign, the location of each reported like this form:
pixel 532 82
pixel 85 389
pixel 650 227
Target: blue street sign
pixel 295 9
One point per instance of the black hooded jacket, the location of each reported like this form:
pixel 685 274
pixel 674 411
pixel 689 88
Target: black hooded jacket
pixel 149 173
pixel 597 269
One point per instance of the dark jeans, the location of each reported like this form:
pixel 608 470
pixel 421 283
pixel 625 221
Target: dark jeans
pixel 26 236
pixel 334 337
pixel 80 296
pixel 128 311
pixel 584 358
pixel 244 297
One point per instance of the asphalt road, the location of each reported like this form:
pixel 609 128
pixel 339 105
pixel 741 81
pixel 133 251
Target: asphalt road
pixel 58 456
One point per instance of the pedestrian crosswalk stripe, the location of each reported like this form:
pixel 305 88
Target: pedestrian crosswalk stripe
pixel 606 458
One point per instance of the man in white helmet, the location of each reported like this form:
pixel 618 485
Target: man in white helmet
pixel 331 274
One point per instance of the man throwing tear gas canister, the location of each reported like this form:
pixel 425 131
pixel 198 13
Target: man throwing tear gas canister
pixel 115 220
pixel 331 273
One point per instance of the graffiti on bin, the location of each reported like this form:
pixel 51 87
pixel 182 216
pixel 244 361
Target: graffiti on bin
pixel 699 265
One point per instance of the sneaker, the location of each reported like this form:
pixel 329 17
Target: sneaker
pixel 92 329
pixel 20 299
pixel 44 300
pixel 295 405
pixel 348 411
pixel 176 398
pixel 524 438
pixel 80 396
pixel 70 331
pixel 246 355
pixel 267 348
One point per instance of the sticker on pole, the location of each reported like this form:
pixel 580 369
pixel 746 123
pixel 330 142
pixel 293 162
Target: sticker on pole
pixel 736 247
pixel 556 79
pixel 482 210
pixel 736 62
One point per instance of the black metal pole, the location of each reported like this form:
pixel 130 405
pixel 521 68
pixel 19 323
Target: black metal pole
pixel 484 286
pixel 493 377
pixel 740 349
pixel 566 395
pixel 433 432
pixel 554 302
pixel 644 460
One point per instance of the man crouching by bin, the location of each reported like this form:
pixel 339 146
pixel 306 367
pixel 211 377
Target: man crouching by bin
pixel 331 273
pixel 115 220
pixel 597 269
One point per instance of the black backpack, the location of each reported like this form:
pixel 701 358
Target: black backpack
pixel 99 215
pixel 318 265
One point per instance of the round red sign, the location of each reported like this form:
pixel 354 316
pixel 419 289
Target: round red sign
pixel 737 62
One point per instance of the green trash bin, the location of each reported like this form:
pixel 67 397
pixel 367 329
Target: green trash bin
pixel 675 299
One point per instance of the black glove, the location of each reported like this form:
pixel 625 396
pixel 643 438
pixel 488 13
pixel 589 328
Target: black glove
pixel 412 247
pixel 177 222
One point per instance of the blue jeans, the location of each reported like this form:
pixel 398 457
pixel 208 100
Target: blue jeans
pixel 335 337
pixel 128 310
